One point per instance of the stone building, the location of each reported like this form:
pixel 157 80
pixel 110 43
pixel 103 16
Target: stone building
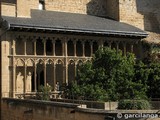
pixel 44 41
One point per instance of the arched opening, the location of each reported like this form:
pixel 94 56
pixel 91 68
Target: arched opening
pixel 19 46
pixel 95 47
pixel 70 48
pixel 39 47
pixel 79 48
pixel 114 45
pixel 106 44
pixel 50 74
pixel 87 49
pixel 40 74
pixel 20 86
pixel 71 72
pixel 58 48
pixel 59 73
pixel 49 47
pixel 30 47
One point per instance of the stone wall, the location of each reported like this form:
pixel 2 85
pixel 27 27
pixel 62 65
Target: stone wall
pixel 35 110
pixel 24 7
pixel 92 7
pixel 5 70
pixel 17 109
pixel 21 8
pixel 128 13
pixel 144 14
pixel 8 7
pixel 151 11
pixel 43 110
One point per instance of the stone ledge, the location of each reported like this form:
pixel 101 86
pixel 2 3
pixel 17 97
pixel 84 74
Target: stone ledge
pixel 39 102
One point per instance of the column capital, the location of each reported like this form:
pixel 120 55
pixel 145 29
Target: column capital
pixel 53 41
pixel 65 40
pixel 74 41
pixel 91 42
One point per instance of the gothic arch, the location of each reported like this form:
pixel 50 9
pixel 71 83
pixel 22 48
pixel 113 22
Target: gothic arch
pixel 59 61
pixel 30 62
pixel 20 62
pixel 40 61
pixel 49 61
pixel 71 61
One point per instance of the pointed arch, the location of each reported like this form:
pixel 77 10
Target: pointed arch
pixel 20 62
pixel 50 61
pixel 71 61
pixel 30 62
pixel 59 61
pixel 79 62
pixel 40 61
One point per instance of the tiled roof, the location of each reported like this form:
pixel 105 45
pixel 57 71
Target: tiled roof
pixel 72 22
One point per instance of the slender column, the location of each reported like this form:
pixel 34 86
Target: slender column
pixel 124 48
pixel 65 63
pixel 110 44
pixel 117 46
pixel 35 47
pixel 63 49
pixel 53 43
pixel 25 46
pixel 132 49
pixel 44 47
pixel 35 77
pixel 75 48
pixel 101 43
pixel 14 67
pixel 83 48
pixel 25 74
pixel 54 73
pixel 75 70
pixel 91 44
pixel 44 74
pixel 65 68
pixel 14 79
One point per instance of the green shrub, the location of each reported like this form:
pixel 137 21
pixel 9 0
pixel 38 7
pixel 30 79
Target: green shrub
pixel 44 92
pixel 134 104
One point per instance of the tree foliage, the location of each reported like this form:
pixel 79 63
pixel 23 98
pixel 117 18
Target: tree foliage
pixel 113 76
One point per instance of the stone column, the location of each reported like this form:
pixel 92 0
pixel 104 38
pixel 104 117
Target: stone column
pixel 83 48
pixel 35 47
pixel 65 62
pixel 75 70
pixel 25 46
pixel 124 48
pixel 63 47
pixel 44 47
pixel 91 44
pixel 132 48
pixel 100 42
pixel 53 43
pixel 35 76
pixel 14 78
pixel 54 73
pixel 14 66
pixel 45 75
pixel 75 48
pixel 117 46
pixel 110 44
pixel 65 73
pixel 25 76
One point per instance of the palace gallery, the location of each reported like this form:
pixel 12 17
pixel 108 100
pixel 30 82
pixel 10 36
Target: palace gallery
pixel 43 42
